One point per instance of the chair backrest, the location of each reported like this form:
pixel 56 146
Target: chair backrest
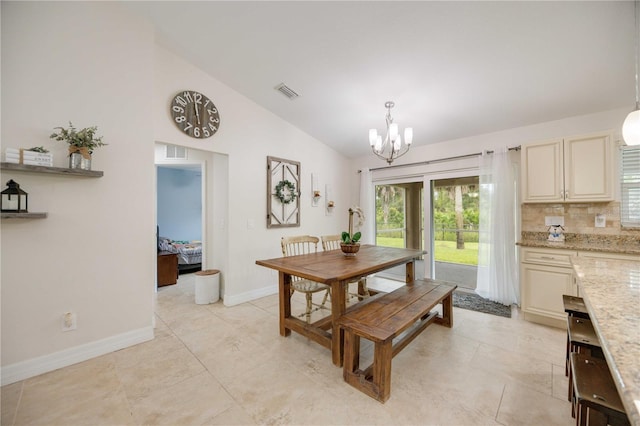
pixel 301 244
pixel 331 242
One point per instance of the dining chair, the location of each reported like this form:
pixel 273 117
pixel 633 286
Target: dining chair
pixel 332 242
pixel 305 244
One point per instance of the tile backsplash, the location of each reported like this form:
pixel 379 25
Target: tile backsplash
pixel 579 218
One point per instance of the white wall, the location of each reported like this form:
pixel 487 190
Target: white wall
pixel 179 212
pixel 95 253
pixel 94 64
pixel 248 134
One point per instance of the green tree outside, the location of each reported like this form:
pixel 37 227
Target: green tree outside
pixel 455 233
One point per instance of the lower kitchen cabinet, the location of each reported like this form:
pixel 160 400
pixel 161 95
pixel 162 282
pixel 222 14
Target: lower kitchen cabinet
pixel 545 275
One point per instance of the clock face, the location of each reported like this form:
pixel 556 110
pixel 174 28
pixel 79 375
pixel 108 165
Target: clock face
pixel 195 114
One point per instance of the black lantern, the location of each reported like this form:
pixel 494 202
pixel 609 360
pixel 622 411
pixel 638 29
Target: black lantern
pixel 14 199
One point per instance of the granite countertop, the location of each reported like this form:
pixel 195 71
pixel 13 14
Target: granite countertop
pixel 584 242
pixel 611 290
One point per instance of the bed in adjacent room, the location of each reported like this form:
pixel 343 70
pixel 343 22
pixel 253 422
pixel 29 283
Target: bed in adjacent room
pixel 189 253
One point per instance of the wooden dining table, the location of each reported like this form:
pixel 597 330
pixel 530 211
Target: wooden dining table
pixel 336 270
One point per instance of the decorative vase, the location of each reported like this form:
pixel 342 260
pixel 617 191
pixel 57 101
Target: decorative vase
pixel 78 161
pixel 349 249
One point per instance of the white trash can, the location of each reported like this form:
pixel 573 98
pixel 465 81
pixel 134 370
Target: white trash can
pixel 207 286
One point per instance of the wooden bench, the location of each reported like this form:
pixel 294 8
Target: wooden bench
pixel 381 320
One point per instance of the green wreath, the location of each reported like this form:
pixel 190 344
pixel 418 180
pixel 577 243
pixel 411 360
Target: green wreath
pixel 285 192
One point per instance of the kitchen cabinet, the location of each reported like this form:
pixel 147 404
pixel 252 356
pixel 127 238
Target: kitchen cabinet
pixel 573 169
pixel 545 275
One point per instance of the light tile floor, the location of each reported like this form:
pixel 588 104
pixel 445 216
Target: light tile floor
pixel 217 365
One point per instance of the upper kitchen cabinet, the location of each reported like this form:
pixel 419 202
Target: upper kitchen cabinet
pixel 575 169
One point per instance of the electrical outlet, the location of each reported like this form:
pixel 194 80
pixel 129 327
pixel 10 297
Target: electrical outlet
pixel 69 321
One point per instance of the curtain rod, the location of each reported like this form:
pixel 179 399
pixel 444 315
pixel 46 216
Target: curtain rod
pixel 439 160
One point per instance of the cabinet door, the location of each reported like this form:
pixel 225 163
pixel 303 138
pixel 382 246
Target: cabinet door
pixel 542 175
pixel 543 287
pixel 588 168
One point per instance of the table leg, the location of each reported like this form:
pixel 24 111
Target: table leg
pixel 284 281
pixel 338 307
pixel 411 272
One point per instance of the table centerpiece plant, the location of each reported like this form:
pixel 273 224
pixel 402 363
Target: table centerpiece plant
pixel 82 143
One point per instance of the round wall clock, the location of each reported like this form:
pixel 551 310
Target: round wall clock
pixel 195 114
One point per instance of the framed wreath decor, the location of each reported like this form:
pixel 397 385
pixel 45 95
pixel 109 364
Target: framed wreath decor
pixel 283 193
pixel 286 192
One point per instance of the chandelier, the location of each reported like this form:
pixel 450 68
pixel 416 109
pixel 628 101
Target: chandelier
pixel 631 126
pixel 391 147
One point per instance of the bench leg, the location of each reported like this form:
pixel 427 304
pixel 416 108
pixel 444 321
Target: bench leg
pixel 382 355
pixel 374 381
pixel 447 312
pixel 351 353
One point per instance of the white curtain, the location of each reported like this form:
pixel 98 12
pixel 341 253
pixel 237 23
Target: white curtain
pixel 497 262
pixel 368 207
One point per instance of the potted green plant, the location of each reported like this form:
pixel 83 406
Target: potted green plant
pixel 350 241
pixel 82 143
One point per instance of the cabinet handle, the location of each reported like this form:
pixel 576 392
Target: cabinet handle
pixel 548 257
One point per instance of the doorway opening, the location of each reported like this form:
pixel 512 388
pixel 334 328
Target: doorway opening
pixel 456 213
pixel 179 213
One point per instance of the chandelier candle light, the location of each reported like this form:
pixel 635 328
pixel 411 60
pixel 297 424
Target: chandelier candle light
pixel 391 147
pixel 631 126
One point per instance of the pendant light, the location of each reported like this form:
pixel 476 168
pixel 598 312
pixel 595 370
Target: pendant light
pixel 392 146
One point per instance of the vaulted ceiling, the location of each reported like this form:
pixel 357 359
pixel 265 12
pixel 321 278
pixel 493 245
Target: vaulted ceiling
pixel 454 69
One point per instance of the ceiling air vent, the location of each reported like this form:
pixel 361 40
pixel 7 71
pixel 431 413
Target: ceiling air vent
pixel 287 91
pixel 174 152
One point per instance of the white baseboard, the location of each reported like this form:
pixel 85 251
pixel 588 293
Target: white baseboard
pixel 43 364
pixel 236 299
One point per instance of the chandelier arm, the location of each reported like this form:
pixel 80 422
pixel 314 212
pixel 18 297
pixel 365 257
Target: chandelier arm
pixel 403 152
pixel 382 157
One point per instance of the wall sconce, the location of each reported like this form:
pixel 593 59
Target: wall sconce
pixel 315 185
pixel 330 203
pixel 14 199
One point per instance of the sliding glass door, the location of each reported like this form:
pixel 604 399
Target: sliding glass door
pixel 455 211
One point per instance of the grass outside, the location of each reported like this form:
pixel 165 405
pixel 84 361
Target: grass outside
pixel 445 251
